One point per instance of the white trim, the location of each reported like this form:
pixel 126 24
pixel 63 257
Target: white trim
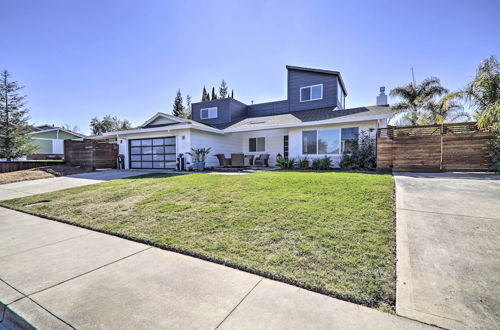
pixel 58 129
pixel 310 93
pixel 208 113
pixel 164 115
pixel 44 139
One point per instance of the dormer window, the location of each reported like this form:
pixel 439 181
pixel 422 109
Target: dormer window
pixel 208 113
pixel 311 93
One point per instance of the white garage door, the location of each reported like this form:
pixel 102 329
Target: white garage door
pixel 152 153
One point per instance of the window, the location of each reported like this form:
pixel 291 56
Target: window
pixel 340 97
pixel 309 142
pixel 328 141
pixel 208 113
pixel 257 144
pixel 349 136
pixel 311 93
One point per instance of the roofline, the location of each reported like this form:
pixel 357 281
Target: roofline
pixel 58 129
pixel 312 123
pixel 235 130
pixel 162 128
pixel 158 114
pixel 336 73
pixel 226 98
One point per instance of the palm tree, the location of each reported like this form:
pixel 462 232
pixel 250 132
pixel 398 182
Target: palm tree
pixel 483 93
pixel 414 97
pixel 446 109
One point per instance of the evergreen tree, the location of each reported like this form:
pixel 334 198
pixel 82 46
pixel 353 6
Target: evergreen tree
pixel 15 141
pixel 223 90
pixel 214 95
pixel 205 96
pixel 187 112
pixel 178 109
pixel 232 94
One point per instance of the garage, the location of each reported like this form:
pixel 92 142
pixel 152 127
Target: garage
pixel 152 153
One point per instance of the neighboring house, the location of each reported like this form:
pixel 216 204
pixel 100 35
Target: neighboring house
pixel 312 122
pixel 50 140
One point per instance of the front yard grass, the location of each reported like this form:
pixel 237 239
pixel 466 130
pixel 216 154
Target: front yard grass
pixel 330 232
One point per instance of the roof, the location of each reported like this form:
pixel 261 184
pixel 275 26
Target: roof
pixel 49 128
pixel 336 73
pixel 162 114
pixel 304 116
pixel 297 118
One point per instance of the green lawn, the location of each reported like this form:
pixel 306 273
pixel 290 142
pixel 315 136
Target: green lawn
pixel 331 232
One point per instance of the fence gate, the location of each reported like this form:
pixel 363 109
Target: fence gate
pixel 459 147
pixel 91 153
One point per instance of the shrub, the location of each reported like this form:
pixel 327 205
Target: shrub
pixel 303 163
pixel 494 150
pixel 285 163
pixel 321 163
pixel 362 154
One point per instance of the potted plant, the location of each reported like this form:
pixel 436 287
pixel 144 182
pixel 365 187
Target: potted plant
pixel 199 156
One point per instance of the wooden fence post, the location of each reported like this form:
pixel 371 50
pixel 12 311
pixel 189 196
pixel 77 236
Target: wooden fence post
pixel 441 157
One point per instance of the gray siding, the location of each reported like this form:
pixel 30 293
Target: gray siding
pixel 267 109
pixel 298 79
pixel 227 110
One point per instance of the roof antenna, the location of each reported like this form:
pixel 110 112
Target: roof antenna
pixel 413 77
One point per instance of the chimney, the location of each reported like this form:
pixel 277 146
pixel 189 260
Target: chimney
pixel 382 98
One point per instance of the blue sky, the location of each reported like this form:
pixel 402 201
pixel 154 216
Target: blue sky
pixel 82 58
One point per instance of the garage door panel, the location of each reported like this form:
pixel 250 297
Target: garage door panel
pixel 152 153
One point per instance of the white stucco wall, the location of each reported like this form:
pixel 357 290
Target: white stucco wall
pixel 295 138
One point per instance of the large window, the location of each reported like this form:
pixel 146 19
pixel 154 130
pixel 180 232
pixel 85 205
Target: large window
pixel 349 137
pixel 340 96
pixel 328 141
pixel 257 144
pixel 311 93
pixel 208 113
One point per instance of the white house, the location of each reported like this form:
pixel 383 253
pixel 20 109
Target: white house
pixel 311 122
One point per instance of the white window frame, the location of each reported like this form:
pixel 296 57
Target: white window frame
pixel 208 113
pixel 257 137
pixel 310 93
pixel 317 135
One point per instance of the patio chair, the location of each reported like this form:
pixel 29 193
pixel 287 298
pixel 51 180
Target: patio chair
pixel 223 161
pixel 237 160
pixel 249 160
pixel 262 160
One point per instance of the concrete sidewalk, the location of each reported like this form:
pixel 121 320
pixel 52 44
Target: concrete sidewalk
pixel 58 276
pixel 448 249
pixel 26 188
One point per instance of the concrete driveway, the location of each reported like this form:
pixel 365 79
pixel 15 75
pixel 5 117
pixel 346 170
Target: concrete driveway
pixel 26 188
pixel 448 249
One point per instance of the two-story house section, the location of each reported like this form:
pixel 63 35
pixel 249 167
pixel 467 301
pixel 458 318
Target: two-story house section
pixel 312 121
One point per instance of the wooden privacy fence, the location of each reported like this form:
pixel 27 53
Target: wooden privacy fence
pixel 91 153
pixel 25 165
pixel 458 147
